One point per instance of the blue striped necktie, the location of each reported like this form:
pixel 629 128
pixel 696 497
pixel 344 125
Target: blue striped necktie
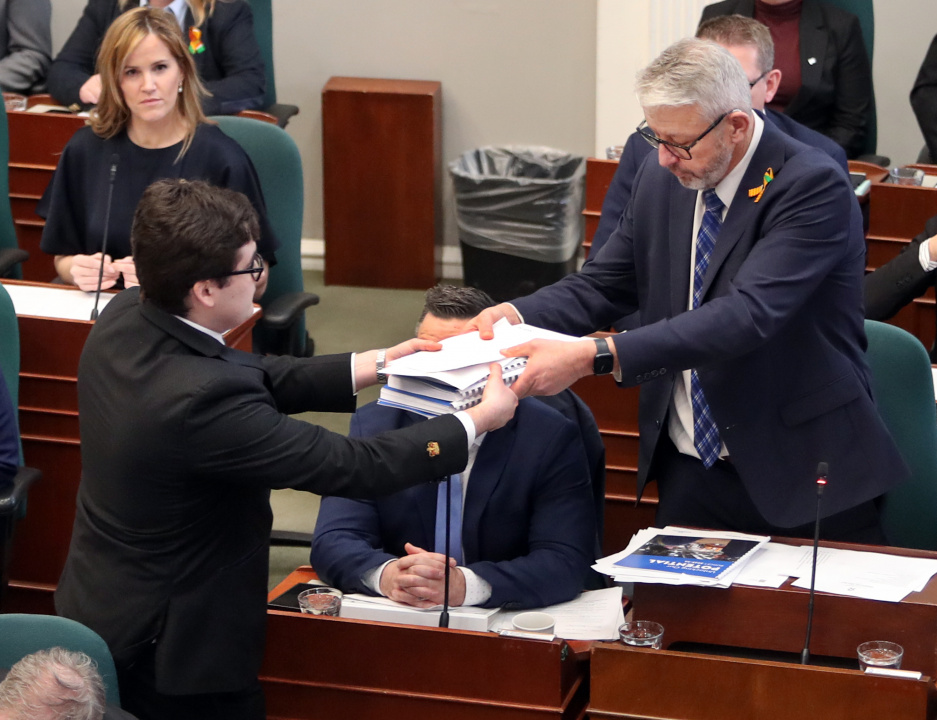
pixel 455 518
pixel 705 433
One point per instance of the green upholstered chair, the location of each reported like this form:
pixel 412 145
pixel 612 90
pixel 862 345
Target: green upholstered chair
pixel 12 498
pixel 263 31
pixel 863 10
pixel 282 330
pixel 25 634
pixel 10 254
pixel 904 391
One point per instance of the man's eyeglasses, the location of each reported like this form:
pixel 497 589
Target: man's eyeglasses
pixel 256 270
pixel 758 79
pixel 680 151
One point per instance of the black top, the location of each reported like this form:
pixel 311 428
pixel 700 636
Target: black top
pixel 75 202
pixel 230 63
pixel 9 436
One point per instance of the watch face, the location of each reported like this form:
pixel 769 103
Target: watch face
pixel 603 362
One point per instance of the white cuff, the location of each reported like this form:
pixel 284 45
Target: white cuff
pixel 923 256
pixel 477 589
pixel 469 426
pixel 372 578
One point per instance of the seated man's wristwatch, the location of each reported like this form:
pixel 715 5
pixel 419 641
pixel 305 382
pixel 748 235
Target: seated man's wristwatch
pixel 604 361
pixel 381 362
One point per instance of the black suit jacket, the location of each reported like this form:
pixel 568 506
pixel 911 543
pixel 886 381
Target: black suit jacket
pixel 231 65
pixel 181 440
pixel 896 283
pixel 924 98
pixel 835 95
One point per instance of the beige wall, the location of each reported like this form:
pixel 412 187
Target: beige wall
pixel 512 71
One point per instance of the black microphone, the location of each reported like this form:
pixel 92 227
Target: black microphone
pixel 444 615
pixel 115 158
pixel 822 471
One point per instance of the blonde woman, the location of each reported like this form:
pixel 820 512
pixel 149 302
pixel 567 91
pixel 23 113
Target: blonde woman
pixel 218 34
pixel 149 123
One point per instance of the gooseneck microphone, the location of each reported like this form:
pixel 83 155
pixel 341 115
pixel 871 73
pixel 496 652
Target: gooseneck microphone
pixel 115 158
pixel 444 615
pixel 822 471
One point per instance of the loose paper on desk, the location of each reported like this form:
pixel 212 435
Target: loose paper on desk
pixel 60 303
pixel 871 575
pixel 461 351
pixel 594 615
pixel 682 556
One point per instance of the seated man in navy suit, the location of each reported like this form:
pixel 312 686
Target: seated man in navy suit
pixel 528 522
pixel 751 44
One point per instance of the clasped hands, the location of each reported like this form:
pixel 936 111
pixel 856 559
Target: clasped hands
pixel 418 579
pixel 86 269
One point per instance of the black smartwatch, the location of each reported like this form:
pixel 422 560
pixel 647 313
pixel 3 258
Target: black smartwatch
pixel 604 361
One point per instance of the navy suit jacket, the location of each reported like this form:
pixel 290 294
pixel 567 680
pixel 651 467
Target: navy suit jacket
pixel 528 521
pixel 637 149
pixel 778 340
pixel 231 66
pixel 836 94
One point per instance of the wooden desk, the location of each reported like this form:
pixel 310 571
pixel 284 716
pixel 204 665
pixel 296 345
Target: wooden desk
pixel 48 414
pixel 637 683
pixel 36 142
pixel 318 667
pixel 775 619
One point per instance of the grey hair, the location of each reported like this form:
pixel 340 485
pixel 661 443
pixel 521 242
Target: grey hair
pixel 54 684
pixel 695 72
pixel 738 30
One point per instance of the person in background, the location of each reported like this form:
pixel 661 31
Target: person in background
pixel 182 439
pixel 218 35
pixel 924 100
pixel 528 527
pixel 55 684
pixel 742 251
pixel 150 125
pixel 826 74
pixel 25 45
pixel 906 276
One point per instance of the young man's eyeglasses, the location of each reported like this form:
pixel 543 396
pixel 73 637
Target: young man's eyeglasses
pixel 256 270
pixel 680 151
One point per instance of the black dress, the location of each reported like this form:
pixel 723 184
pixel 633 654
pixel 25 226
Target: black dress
pixel 75 202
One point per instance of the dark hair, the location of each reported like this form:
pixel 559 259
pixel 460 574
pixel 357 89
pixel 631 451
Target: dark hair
pixel 185 231
pixel 451 302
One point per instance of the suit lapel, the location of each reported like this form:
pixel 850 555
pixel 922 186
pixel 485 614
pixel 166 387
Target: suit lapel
pixel 742 211
pixel 486 474
pixel 682 209
pixel 813 41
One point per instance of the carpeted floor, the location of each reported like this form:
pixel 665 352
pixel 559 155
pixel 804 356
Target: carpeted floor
pixel 346 319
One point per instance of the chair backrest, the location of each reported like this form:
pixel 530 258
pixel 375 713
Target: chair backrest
pixel 7 229
pixel 21 635
pixel 904 392
pixel 279 166
pixel 263 31
pixel 863 9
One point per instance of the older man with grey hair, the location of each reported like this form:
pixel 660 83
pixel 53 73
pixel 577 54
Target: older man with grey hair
pixel 55 684
pixel 742 251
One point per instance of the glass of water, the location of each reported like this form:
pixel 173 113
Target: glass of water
pixel 320 601
pixel 642 633
pixel 880 653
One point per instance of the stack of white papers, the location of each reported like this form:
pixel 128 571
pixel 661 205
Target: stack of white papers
pixel 681 556
pixel 454 378
pixel 381 609
pixel 870 575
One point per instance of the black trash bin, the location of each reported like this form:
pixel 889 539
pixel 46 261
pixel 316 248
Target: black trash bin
pixel 519 211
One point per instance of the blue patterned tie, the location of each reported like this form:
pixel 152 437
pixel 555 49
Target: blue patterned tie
pixel 455 519
pixel 705 432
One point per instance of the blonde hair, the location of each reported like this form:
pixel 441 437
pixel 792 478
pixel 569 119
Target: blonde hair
pixel 112 115
pixel 201 9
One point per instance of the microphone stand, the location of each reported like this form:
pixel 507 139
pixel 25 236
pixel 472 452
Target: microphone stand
pixel 107 223
pixel 444 615
pixel 822 470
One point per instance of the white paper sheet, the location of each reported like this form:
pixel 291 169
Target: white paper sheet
pixel 594 615
pixel 61 303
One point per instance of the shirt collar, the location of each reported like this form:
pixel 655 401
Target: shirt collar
pixel 218 336
pixel 728 186
pixel 178 8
